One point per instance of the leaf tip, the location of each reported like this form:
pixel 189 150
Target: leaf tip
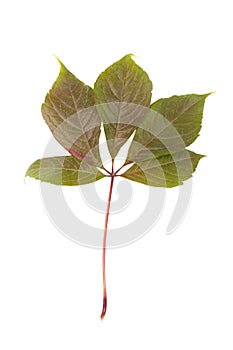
pixel 132 55
pixel 62 66
pixel 58 59
pixel 129 56
pixel 203 156
pixel 210 93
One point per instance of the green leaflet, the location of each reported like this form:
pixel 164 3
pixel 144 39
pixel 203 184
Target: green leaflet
pixel 75 126
pixel 184 112
pixel 125 87
pixel 172 124
pixel 164 171
pixel 68 171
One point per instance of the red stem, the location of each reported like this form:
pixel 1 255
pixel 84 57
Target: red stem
pixel 104 309
pixel 105 170
pixel 126 163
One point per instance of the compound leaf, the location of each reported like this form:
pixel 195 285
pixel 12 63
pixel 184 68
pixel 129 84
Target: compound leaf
pixel 121 101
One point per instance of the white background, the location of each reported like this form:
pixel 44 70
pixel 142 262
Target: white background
pixel 165 292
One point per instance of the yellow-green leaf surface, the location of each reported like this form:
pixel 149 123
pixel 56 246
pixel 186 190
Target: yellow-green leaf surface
pixel 165 171
pixel 184 112
pixel 124 87
pixel 68 171
pixel 68 110
pixel 175 124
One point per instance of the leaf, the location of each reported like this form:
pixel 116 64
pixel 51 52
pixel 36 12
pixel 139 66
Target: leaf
pixel 184 112
pixel 165 171
pixel 75 126
pixel 121 100
pixel 68 171
pixel 124 87
pixel 173 124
